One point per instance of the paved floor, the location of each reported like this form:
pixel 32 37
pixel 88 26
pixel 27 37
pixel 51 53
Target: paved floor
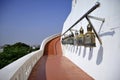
pixel 54 66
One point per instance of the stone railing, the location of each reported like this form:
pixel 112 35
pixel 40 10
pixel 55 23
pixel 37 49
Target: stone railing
pixel 21 68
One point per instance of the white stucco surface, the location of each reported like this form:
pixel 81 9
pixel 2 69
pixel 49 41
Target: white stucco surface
pixel 101 62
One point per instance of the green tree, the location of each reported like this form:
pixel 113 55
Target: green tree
pixel 13 52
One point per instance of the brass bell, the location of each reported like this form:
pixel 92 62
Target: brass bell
pixel 81 30
pixel 89 37
pixel 70 39
pixel 76 38
pixel 81 37
pixel 63 41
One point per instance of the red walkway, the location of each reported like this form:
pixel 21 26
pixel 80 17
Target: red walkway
pixel 54 66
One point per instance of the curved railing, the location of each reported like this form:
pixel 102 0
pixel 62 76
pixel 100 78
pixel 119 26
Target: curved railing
pixel 21 68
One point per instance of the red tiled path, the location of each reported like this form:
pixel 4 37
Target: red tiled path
pixel 54 66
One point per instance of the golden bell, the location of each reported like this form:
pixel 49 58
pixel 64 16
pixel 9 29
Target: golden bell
pixel 89 28
pixel 76 38
pixel 70 39
pixel 89 37
pixel 81 30
pixel 64 41
pixel 79 38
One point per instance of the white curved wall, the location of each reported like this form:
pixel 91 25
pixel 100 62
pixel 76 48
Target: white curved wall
pixel 21 68
pixel 101 62
pixel 47 40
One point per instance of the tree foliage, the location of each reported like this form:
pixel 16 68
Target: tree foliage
pixel 13 52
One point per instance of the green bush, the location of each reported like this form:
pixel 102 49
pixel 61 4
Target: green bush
pixel 13 52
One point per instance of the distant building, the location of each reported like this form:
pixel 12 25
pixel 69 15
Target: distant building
pixel 35 46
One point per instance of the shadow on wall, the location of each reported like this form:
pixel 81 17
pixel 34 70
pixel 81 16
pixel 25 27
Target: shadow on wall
pixel 90 54
pixel 84 52
pixel 77 50
pixel 99 56
pixel 110 33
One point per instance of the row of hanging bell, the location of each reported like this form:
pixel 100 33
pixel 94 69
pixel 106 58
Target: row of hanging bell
pixel 68 39
pixel 87 39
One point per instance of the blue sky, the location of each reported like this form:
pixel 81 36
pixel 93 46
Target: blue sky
pixel 30 21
